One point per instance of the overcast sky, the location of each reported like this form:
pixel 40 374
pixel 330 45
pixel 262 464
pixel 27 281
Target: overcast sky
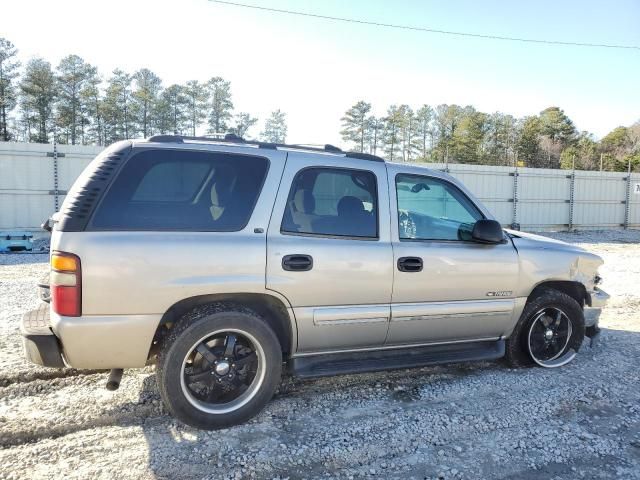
pixel 315 69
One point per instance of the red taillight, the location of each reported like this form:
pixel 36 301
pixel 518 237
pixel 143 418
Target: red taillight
pixel 66 284
pixel 66 300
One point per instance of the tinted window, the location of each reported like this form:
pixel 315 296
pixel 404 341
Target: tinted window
pixel 183 190
pixel 433 209
pixel 326 201
pixel 172 182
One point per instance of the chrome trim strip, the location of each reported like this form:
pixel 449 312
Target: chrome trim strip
pixel 351 315
pixel 448 315
pixel 320 323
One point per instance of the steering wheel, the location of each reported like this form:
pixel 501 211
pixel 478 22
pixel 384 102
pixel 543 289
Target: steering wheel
pixel 407 224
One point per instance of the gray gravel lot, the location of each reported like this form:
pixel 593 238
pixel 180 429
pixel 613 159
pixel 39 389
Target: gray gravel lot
pixel 457 421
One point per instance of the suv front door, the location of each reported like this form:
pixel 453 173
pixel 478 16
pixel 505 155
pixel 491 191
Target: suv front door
pixel 329 250
pixel 446 287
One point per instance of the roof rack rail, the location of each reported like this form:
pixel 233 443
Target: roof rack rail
pixel 233 138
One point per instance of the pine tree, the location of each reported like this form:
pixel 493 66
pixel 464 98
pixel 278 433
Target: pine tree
pixel 275 128
pixel 528 148
pixel 243 122
pixel 424 129
pixel 91 102
pixel 71 79
pixel 8 72
pixel 409 133
pixel 220 104
pixel 355 125
pixel 118 123
pixel 198 96
pixel 145 97
pixel 38 92
pixel 170 112
pixel 468 137
pixel 373 133
pixel 393 124
pixel 447 118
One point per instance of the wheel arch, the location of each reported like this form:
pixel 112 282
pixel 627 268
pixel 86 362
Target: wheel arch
pixel 574 289
pixel 270 307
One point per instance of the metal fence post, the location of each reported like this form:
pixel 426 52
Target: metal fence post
pixel 627 202
pixel 55 175
pixel 514 219
pixel 572 187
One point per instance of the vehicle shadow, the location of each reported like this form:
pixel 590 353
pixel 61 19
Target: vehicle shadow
pixel 269 445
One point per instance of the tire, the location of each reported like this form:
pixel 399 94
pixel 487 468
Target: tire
pixel 521 346
pixel 198 347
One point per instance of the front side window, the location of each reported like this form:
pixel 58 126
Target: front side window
pixel 433 209
pixel 182 190
pixel 334 202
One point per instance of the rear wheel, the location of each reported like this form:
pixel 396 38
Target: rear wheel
pixel 219 366
pixel 549 332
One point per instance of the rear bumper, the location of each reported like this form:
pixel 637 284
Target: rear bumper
pixel 105 341
pixel 40 345
pixel 89 342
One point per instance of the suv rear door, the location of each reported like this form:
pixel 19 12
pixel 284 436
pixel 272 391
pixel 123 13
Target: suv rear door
pixel 446 288
pixel 329 250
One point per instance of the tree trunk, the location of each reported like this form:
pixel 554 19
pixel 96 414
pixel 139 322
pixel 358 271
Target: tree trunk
pixel 3 113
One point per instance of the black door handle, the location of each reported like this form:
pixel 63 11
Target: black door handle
pixel 297 263
pixel 410 264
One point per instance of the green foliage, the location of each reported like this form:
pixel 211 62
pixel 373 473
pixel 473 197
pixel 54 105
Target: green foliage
pixel 621 148
pixel 527 145
pixel 355 124
pixel 556 125
pixel 584 152
pixel 220 104
pixel 243 122
pixel 467 140
pixel 73 77
pixel 8 73
pixel 198 97
pixel 463 135
pixel 170 112
pixel 424 130
pixel 82 108
pixel 38 94
pixel 145 99
pixel 118 122
pixel 393 124
pixel 275 128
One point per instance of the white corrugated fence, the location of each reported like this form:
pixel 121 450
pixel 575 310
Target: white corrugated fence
pixel 33 176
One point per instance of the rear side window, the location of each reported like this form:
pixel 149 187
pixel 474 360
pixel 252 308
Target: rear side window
pixel 183 190
pixel 332 202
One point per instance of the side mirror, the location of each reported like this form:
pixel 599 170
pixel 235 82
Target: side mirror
pixel 487 231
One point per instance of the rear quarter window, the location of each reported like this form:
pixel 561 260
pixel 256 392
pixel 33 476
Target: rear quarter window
pixel 182 190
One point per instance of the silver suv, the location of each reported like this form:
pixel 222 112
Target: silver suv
pixel 225 261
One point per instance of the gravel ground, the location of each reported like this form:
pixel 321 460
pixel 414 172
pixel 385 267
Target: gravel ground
pixel 457 421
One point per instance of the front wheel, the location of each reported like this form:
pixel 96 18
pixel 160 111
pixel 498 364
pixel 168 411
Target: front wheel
pixel 219 366
pixel 549 332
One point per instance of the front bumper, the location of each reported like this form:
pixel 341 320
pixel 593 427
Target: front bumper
pixel 592 313
pixel 40 345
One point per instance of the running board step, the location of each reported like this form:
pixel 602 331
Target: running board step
pixel 372 361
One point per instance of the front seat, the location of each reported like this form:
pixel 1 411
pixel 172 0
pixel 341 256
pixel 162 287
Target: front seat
pixel 353 219
pixel 303 209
